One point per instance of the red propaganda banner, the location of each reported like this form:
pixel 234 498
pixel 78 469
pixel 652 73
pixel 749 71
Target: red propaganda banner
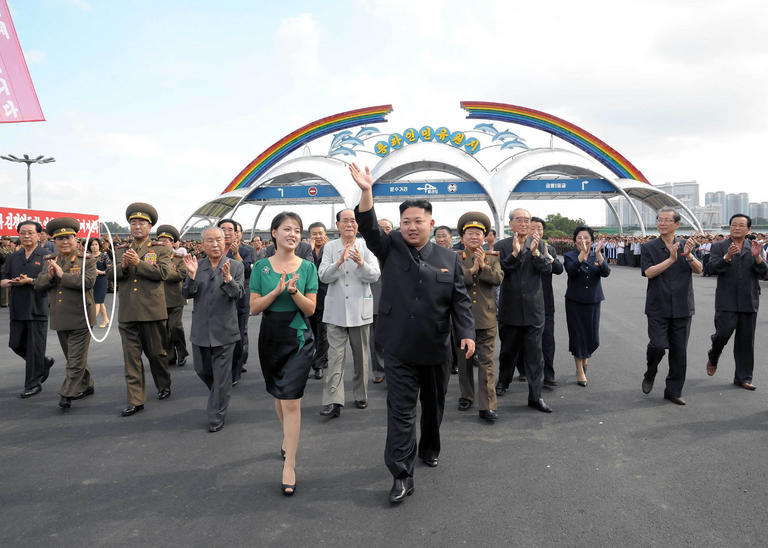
pixel 18 100
pixel 11 217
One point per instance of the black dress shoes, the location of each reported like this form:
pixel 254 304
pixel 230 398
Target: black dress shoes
pixel 132 410
pixel 85 393
pixel 318 373
pixel 243 369
pixel 164 394
pixel 216 427
pixel 361 404
pixel 401 488
pixel 455 370
pixel 674 399
pixel 235 383
pixel 182 362
pixel 378 380
pixel 31 392
pixel 489 415
pixel 500 390
pixel 647 385
pixel 744 385
pixel 331 410
pixel 540 405
pixel 550 382
pixel 465 405
pixel 48 362
pixel 65 402
pixel 430 461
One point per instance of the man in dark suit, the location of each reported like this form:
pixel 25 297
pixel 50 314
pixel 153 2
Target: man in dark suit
pixel 423 289
pixel 237 251
pixel 738 263
pixel 216 284
pixel 141 272
pixel 669 306
pixel 521 305
pixel 548 335
pixel 318 239
pixel 28 308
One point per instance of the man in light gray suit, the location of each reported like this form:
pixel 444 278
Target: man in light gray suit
pixel 216 284
pixel 349 268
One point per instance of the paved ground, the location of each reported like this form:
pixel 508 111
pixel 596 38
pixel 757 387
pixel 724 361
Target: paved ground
pixel 610 467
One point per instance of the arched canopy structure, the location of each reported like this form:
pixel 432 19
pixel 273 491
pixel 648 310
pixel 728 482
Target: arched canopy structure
pixel 438 164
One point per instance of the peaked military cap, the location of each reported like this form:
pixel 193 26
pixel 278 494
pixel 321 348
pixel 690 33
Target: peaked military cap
pixel 167 231
pixel 140 210
pixel 474 219
pixel 62 226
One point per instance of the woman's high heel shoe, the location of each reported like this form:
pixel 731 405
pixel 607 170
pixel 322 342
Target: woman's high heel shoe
pixel 282 453
pixel 285 488
pixel 581 383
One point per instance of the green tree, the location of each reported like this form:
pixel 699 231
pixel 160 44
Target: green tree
pixel 114 227
pixel 559 225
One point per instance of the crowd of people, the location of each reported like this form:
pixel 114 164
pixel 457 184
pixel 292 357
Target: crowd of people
pixel 411 306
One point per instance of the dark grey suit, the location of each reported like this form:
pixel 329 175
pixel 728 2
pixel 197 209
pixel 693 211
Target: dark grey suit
pixel 215 330
pixel 737 299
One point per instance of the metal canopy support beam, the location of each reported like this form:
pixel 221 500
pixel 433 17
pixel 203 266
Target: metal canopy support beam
pixel 615 214
pixel 634 208
pixel 256 220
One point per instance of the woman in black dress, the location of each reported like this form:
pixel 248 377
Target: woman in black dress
pixel 103 262
pixel 585 268
pixel 284 288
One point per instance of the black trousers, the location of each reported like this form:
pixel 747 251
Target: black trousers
pixel 524 340
pixel 320 332
pixel 406 385
pixel 743 344
pixel 548 346
pixel 240 354
pixel 27 339
pixel 177 342
pixel 671 333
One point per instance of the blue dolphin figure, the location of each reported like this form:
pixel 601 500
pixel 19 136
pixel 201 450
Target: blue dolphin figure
pixel 506 134
pixel 344 151
pixel 351 141
pixel 366 131
pixel 487 128
pixel 513 144
pixel 339 137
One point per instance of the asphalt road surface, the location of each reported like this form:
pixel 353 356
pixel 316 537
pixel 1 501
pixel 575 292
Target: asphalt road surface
pixel 610 466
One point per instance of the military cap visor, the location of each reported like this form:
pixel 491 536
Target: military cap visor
pixel 168 231
pixel 140 210
pixel 474 219
pixel 63 226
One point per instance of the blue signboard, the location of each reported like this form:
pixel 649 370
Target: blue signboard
pixel 431 188
pixel 564 185
pixel 294 192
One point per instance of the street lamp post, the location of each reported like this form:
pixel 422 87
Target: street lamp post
pixel 29 161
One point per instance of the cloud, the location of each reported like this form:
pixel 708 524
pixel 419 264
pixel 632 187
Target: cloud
pixel 298 40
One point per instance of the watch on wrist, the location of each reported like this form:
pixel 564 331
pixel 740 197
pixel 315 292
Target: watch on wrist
pixel 291 292
pixel 725 258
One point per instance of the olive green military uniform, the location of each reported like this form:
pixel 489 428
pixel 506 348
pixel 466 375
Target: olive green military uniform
pixel 67 316
pixel 176 342
pixel 142 313
pixel 480 287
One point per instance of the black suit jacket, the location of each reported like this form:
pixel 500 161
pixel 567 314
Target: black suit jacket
pixel 521 298
pixel 243 304
pixel 738 286
pixel 546 282
pixel 419 298
pixel 322 288
pixel 670 294
pixel 584 278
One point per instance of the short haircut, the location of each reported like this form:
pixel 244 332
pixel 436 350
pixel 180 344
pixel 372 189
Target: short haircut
pixel 338 213
pixel 282 216
pixel 747 217
pixel 539 220
pixel 95 240
pixel 582 229
pixel 442 227
pixel 316 224
pixel 387 221
pixel 421 203
pixel 512 213
pixel 492 231
pixel 231 221
pixel 38 226
pixel 211 228
pixel 676 216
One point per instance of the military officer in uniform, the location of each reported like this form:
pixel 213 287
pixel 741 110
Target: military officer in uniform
pixel 174 300
pixel 62 277
pixel 142 268
pixel 482 275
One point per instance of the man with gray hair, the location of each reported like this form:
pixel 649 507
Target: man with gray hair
pixel 216 285
pixel 668 263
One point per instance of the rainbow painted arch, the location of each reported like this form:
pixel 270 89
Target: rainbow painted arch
pixel 330 124
pixel 578 137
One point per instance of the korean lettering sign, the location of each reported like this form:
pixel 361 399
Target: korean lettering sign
pixel 18 100
pixel 11 217
pixel 457 139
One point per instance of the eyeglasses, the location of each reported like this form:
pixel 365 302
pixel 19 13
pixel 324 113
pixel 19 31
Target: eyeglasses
pixel 522 220
pixel 347 221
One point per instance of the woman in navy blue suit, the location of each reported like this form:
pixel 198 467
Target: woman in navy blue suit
pixel 585 268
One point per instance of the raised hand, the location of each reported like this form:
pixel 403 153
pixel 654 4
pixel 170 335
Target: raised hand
pixel 280 287
pixel 673 247
pixel 757 248
pixel 225 272
pixel 56 270
pixel 131 258
pixel 599 246
pixel 345 254
pixel 190 261
pixel 364 180
pixel 733 249
pixel 355 255
pixel 291 283
pixel 534 243
pixel 516 247
pixel 689 243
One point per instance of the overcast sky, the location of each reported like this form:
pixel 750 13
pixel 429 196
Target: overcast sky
pixel 167 101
